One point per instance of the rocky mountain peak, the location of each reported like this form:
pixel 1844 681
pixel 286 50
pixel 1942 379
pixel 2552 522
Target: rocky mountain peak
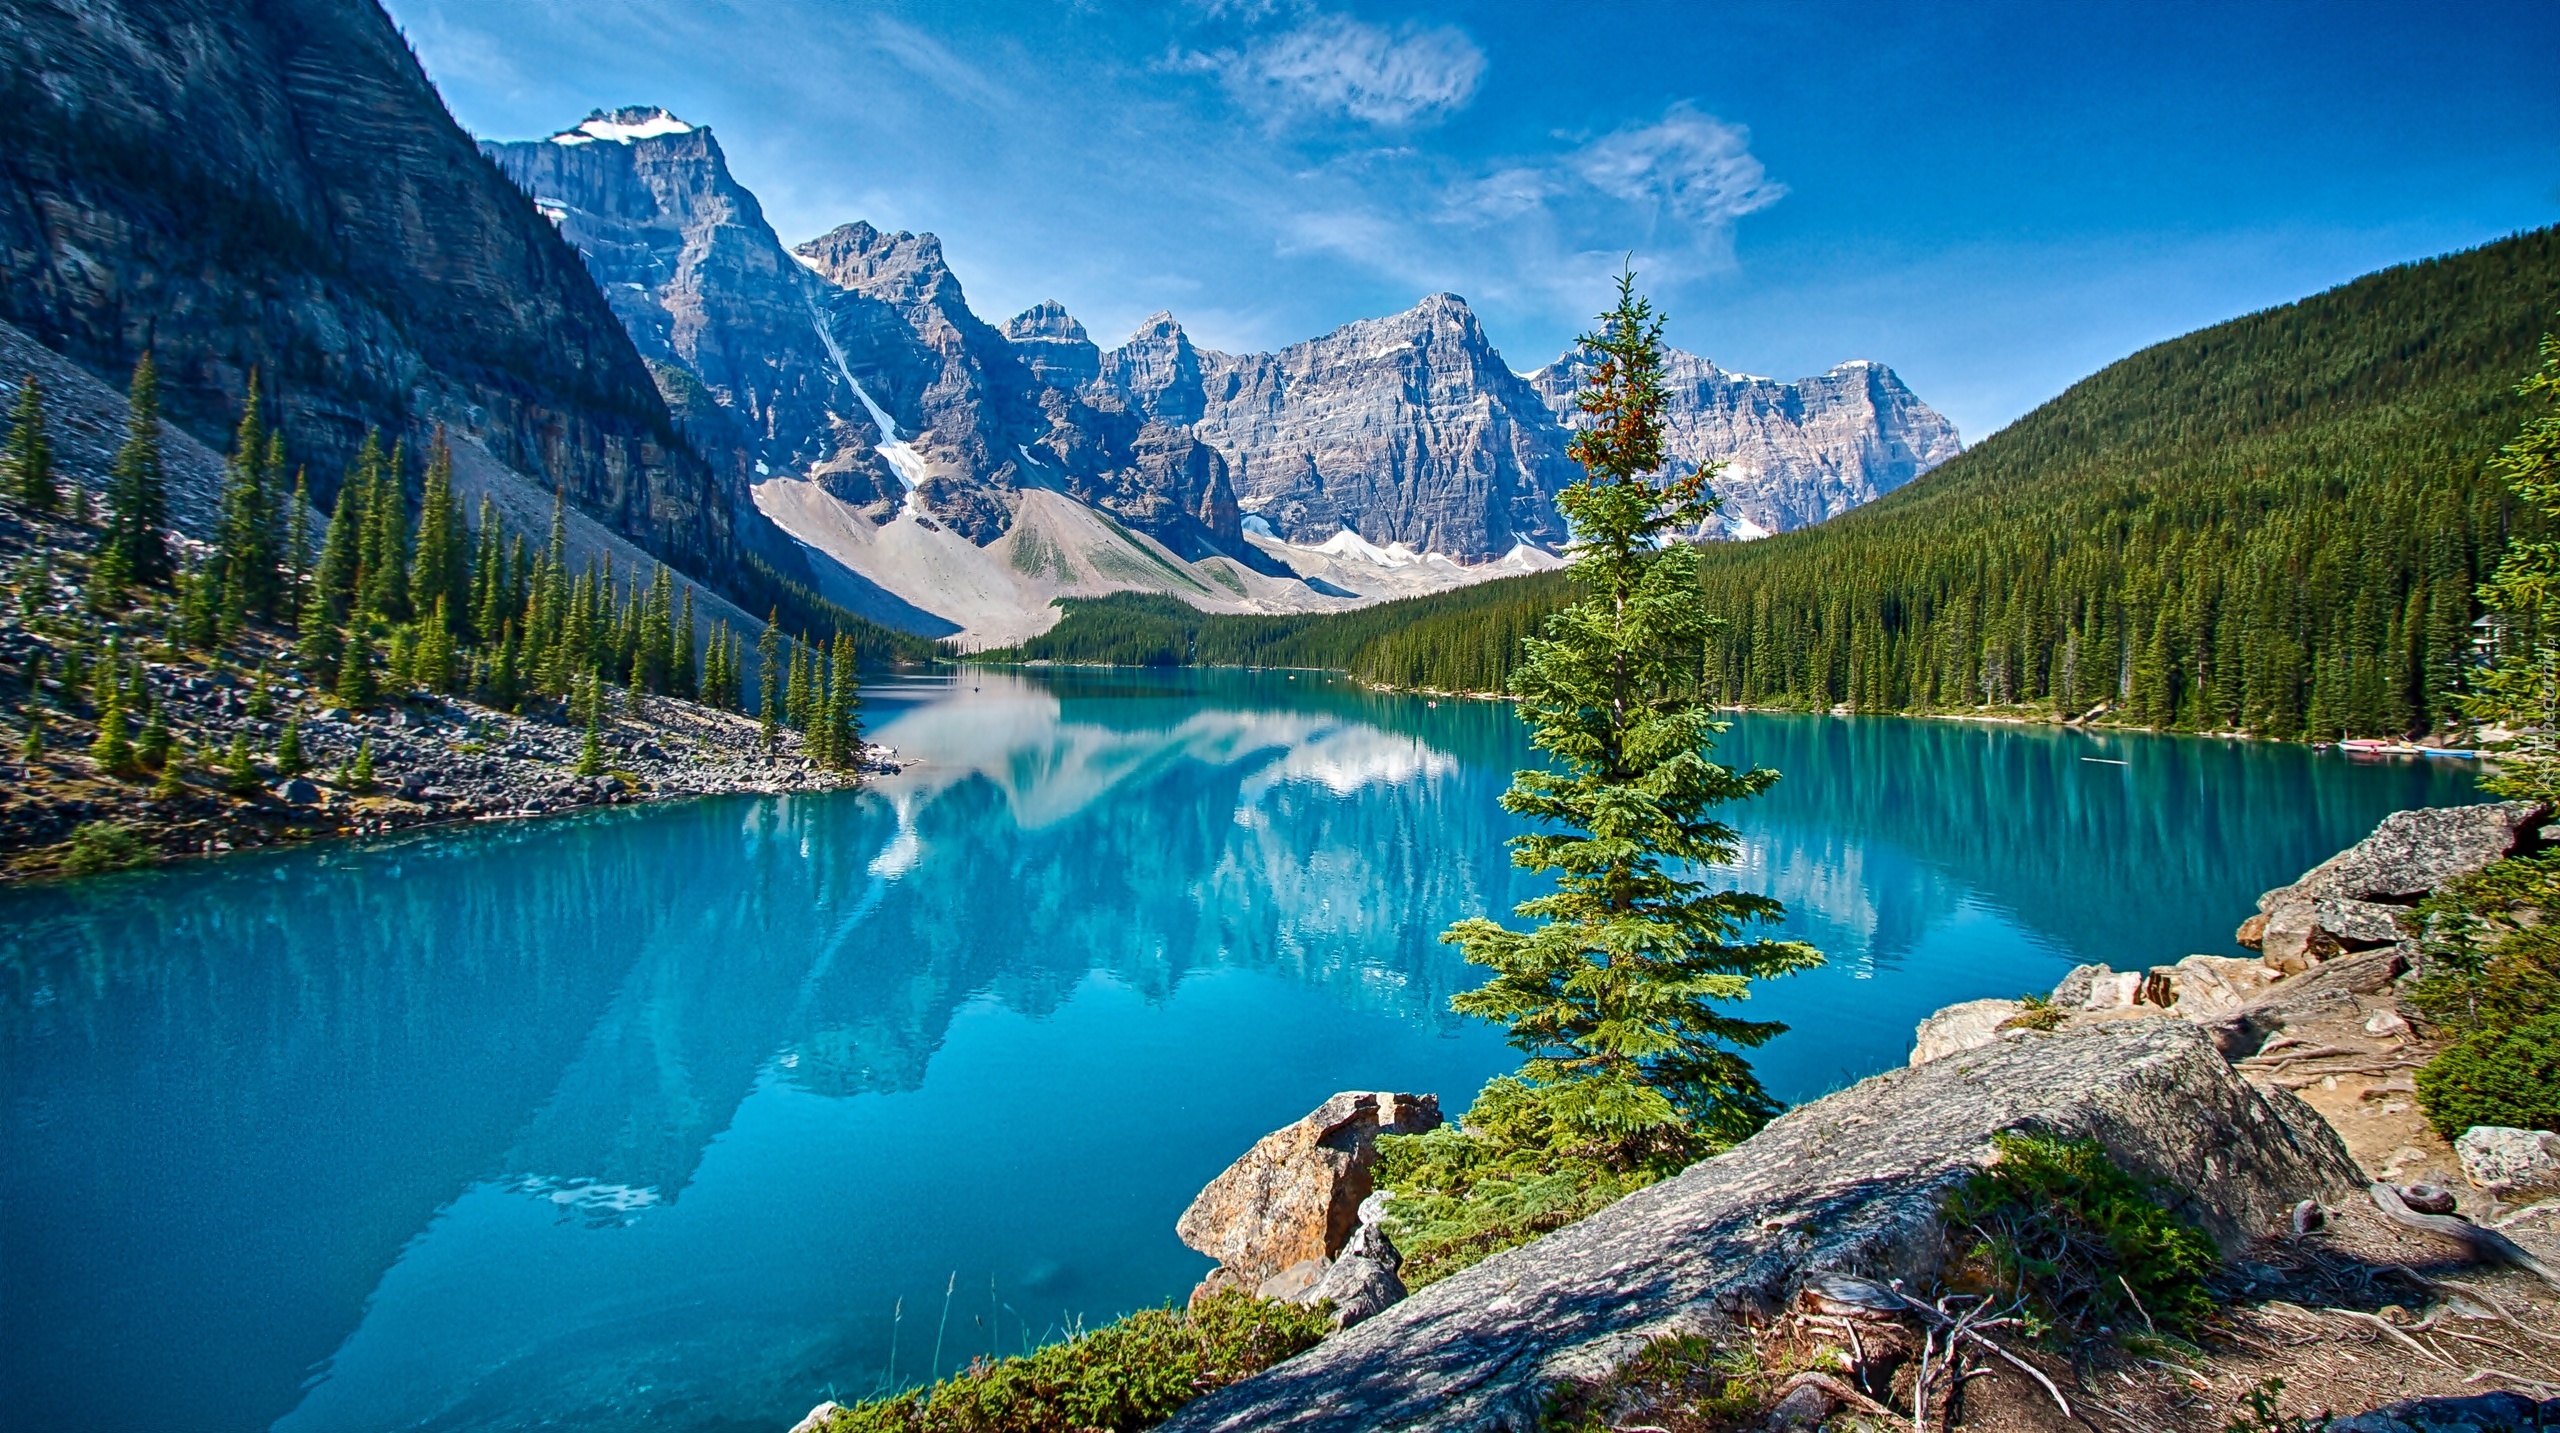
pixel 1157 372
pixel 1059 352
pixel 899 268
pixel 1046 321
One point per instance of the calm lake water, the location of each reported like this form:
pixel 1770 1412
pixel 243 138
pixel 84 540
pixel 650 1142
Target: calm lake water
pixel 687 1118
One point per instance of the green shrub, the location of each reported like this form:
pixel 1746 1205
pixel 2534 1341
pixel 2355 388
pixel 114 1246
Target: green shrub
pixel 1502 1175
pixel 2057 1223
pixel 1127 1375
pixel 2039 1014
pixel 2492 976
pixel 104 846
pixel 2499 1075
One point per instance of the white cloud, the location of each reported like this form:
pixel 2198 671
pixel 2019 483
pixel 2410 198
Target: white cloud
pixel 1686 165
pixel 1332 64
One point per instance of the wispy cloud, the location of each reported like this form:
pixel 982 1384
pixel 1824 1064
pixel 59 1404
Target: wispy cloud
pixel 1328 65
pixel 1542 230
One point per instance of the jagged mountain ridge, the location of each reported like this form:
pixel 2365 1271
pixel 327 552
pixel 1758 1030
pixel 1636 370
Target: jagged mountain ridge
pixel 1402 444
pixel 1790 454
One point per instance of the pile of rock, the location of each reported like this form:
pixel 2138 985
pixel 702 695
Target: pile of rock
pixel 1297 1218
pixel 2337 933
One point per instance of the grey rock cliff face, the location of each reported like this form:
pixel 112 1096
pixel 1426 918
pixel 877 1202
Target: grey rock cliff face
pixel 277 186
pixel 1791 454
pixel 683 254
pixel 1852 1183
pixel 1406 429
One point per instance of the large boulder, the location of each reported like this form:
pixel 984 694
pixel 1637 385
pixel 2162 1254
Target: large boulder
pixel 1852 1183
pixel 1295 1196
pixel 2413 852
pixel 2347 903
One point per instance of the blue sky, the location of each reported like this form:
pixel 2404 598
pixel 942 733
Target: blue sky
pixel 1993 199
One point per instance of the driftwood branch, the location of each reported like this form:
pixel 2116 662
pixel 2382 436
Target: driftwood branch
pixel 2487 1246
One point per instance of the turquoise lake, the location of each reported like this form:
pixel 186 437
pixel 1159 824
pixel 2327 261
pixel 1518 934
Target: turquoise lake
pixel 679 1118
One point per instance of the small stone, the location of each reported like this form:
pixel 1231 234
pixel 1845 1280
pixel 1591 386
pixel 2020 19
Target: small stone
pixel 2386 1022
pixel 297 792
pixel 2502 1160
pixel 2427 1198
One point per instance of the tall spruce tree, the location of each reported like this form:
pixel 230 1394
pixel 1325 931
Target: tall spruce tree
pixel 769 680
pixel 26 464
pixel 136 544
pixel 1614 992
pixel 439 578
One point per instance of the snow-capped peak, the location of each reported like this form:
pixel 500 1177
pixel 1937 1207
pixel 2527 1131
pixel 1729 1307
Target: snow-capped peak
pixel 622 126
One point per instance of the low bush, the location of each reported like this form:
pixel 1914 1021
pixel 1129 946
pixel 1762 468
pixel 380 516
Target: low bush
pixel 2492 977
pixel 1500 1177
pixel 2498 1075
pixel 103 846
pixel 1126 1375
pixel 2083 1243
pixel 2036 1013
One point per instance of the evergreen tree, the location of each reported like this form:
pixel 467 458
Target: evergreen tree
pixel 844 707
pixel 26 464
pixel 297 548
pixel 439 577
pixel 657 636
pixel 1613 993
pixel 112 750
pixel 799 703
pixel 769 681
pixel 171 783
pixel 680 676
pixel 354 687
pixel 153 748
pixel 240 771
pixel 290 758
pixel 359 775
pixel 199 607
pixel 137 540
pixel 245 539
pixel 331 603
pixel 386 581
pixel 2522 691
pixel 591 747
pixel 31 750
pixel 489 575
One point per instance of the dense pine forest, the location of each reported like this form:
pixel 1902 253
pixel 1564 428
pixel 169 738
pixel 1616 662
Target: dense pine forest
pixel 2277 524
pixel 1461 641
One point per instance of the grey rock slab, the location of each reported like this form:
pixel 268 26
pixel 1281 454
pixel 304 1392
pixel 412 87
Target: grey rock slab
pixel 1852 1183
pixel 2412 852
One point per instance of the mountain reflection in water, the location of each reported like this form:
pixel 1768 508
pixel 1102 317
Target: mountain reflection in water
pixel 654 1116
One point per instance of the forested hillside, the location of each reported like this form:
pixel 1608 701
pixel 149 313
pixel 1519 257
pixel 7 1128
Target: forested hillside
pixel 1464 640
pixel 2274 524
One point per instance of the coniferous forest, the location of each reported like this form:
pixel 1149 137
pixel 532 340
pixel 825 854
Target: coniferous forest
pixel 2277 524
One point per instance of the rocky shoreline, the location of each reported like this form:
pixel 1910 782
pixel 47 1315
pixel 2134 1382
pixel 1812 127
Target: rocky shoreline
pixel 2394 1283
pixel 434 759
